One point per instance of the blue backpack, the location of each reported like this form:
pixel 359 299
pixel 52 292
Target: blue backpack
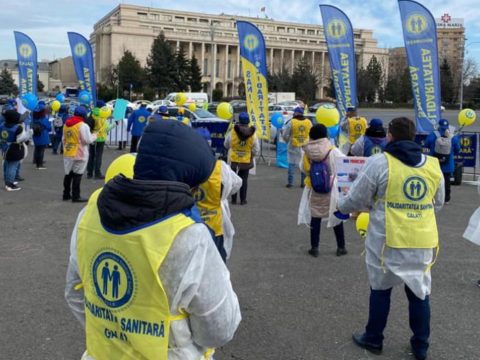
pixel 320 176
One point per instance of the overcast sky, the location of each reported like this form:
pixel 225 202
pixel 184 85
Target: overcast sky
pixel 47 22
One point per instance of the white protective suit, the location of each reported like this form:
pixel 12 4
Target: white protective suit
pixel 78 164
pixel 400 265
pixel 196 280
pixel 472 232
pixel 304 212
pixel 294 153
pixel 231 184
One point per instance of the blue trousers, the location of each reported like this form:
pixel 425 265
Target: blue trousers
pixel 291 174
pixel 419 315
pixel 10 169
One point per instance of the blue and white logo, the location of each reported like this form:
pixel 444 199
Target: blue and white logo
pixel 113 279
pixel 415 188
pixel 80 50
pixel 251 42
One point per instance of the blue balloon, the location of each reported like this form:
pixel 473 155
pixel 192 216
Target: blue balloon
pixel 60 97
pixel 30 101
pixel 84 97
pixel 333 131
pixel 277 120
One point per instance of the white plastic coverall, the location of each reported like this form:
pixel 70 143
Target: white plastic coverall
pixel 196 280
pixel 78 164
pixel 231 184
pixel 294 153
pixel 400 265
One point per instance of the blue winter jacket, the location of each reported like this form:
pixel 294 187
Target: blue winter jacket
pixel 449 165
pixel 137 121
pixel 44 137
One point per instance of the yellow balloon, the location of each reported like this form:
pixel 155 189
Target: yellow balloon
pixel 328 115
pixel 105 112
pixel 224 111
pixel 466 117
pixel 55 105
pixel 362 223
pixel 192 107
pixel 122 165
pixel 180 99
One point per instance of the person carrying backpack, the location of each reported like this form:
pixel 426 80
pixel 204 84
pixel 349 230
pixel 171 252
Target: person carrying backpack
pixel 444 145
pixel 373 142
pixel 320 193
pixel 41 134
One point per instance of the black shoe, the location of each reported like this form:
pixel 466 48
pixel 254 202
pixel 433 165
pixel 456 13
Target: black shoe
pixel 66 197
pixel 314 252
pixel 89 176
pixel 342 251
pixel 302 186
pixel 99 177
pixel 359 340
pixel 79 200
pixel 243 202
pixel 419 356
pixel 19 178
pixel 478 283
pixel 289 186
pixel 234 202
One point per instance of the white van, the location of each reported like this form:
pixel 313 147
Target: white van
pixel 197 98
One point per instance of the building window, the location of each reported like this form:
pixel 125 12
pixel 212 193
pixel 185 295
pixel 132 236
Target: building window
pixel 357 36
pixel 155 17
pixel 217 68
pixel 311 32
pixel 179 18
pixel 301 31
pixel 192 19
pixel 167 17
pixel 291 30
pixel 205 21
pixel 281 29
pixel 205 67
pixel 142 15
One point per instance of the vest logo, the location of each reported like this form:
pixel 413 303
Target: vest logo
pixel 141 119
pixel 25 51
pixel 113 279
pixel 80 50
pixel 358 127
pixel 415 188
pixel 68 133
pixel 250 42
pixel 465 142
pixel 5 134
pixel 376 150
pixel 301 128
pixel 199 195
pixel 336 29
pixel 416 24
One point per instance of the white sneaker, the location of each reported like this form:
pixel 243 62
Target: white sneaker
pixel 12 187
pixel 41 168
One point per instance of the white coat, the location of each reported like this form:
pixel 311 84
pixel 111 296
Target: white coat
pixel 196 280
pixel 78 164
pixel 400 265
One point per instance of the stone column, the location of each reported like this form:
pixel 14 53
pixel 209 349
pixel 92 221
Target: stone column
pixel 190 50
pixel 292 59
pixel 272 68
pixel 202 65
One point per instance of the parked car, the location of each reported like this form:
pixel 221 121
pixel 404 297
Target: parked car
pixel 293 104
pixel 111 104
pixel 315 107
pixel 212 107
pixel 238 105
pixel 138 102
pixel 284 109
pixel 198 98
pixel 157 103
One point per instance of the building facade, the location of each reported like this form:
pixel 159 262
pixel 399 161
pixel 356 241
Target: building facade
pixel 213 40
pixel 42 70
pixel 62 73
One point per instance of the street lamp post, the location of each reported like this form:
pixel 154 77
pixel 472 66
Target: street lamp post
pixel 462 69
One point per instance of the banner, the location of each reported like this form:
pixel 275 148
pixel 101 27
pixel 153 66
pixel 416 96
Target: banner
pixel 27 63
pixel 341 54
pixel 254 66
pixel 468 150
pixel 83 62
pixel 420 36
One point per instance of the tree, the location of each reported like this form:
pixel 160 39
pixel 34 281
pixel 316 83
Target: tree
pixel 281 81
pixel 217 95
pixel 446 82
pixel 304 81
pixel 195 75
pixel 369 81
pixel 110 74
pixel 130 72
pixel 7 84
pixel 160 66
pixel 182 72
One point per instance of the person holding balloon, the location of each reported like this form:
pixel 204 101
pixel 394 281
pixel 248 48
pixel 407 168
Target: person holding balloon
pixel 402 188
pixel 77 138
pixel 295 133
pixel 136 123
pixel 58 123
pixel 444 146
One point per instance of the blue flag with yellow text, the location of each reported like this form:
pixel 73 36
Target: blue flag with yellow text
pixel 338 32
pixel 420 36
pixel 83 63
pixel 27 63
pixel 254 66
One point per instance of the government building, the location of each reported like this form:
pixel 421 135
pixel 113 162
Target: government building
pixel 213 40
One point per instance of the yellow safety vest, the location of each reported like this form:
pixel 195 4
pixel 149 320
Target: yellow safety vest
pixel 356 128
pixel 409 211
pixel 300 132
pixel 71 142
pixel 100 127
pixel 241 150
pixel 209 197
pixel 126 308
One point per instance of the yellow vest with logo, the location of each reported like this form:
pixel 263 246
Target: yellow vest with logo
pixel 356 128
pixel 71 140
pixel 126 308
pixel 300 132
pixel 241 150
pixel 209 197
pixel 101 127
pixel 409 212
